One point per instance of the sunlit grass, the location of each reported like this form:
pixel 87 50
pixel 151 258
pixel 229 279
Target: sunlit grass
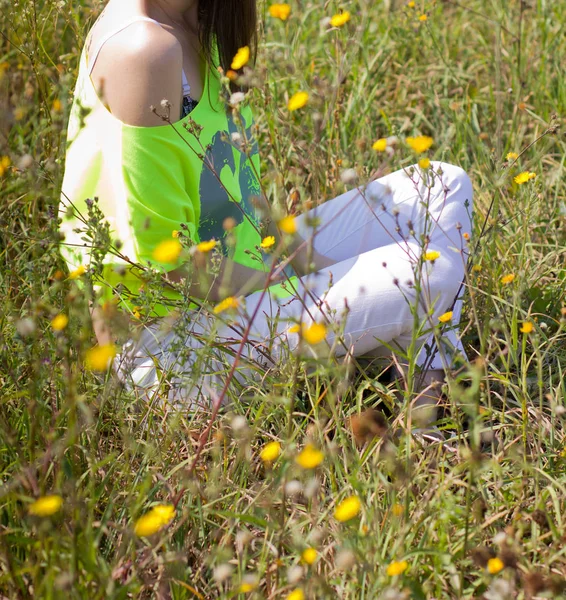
pixel 107 496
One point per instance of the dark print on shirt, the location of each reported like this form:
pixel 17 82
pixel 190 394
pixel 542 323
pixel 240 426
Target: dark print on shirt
pixel 216 203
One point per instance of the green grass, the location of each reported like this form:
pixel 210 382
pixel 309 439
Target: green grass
pixel 483 78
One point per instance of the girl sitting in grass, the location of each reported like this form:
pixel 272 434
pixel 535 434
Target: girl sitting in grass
pixel 162 137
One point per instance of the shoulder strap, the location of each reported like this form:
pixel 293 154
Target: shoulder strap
pixel 186 85
pixel 105 38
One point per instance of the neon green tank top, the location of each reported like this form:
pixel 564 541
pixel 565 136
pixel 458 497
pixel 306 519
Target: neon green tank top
pixel 153 181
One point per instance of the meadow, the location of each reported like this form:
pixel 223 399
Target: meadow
pixel 105 496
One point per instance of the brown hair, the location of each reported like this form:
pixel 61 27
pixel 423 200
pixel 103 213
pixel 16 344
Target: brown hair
pixel 230 24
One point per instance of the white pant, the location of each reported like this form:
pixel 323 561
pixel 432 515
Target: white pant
pixel 377 235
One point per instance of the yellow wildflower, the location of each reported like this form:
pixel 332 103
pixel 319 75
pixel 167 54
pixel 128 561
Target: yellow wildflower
pixel 46 505
pixel 247 586
pixel 512 156
pixel 424 163
pixel 4 164
pixel 527 327
pixel 59 322
pixel 507 279
pixel 340 19
pixel 524 177
pixel 288 224
pixel 380 145
pixel 397 568
pixel 423 18
pixel 77 272
pixel 297 594
pixel 421 143
pixel 494 565
pixel 57 105
pixel 447 316
pixel 297 100
pixel 412 4
pixel 167 251
pixel 270 452
pixel 348 509
pixel 294 329
pixel 267 242
pixel 280 11
pixel 398 510
pixel 314 334
pixel 309 556
pixel 466 236
pixel 432 255
pixel 100 357
pixel 476 268
pixel 226 304
pixel 309 457
pixel 165 511
pixel 205 247
pixel 158 517
pixel 242 57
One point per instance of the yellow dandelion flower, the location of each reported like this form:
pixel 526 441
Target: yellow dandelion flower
pixel 148 524
pixel 424 163
pixel 267 242
pixel 46 505
pixel 412 4
pixel 205 247
pixel 270 452
pixel 242 57
pixel 309 457
pixel 527 327
pixel 423 18
pixel 380 145
pixel 100 357
pixel 432 255
pixel 165 511
pixel 288 224
pixel 4 164
pixel 57 105
pixel 397 568
pixel 398 510
pixel 447 316
pixel 246 587
pixel 348 509
pixel 297 594
pixel 280 11
pixel 494 565
pixel 297 100
pixel 229 303
pixel 59 322
pixel 309 556
pixel 77 272
pixel 420 144
pixel 155 519
pixel 507 279
pixel 314 334
pixel 340 19
pixel 512 156
pixel 524 177
pixel 167 251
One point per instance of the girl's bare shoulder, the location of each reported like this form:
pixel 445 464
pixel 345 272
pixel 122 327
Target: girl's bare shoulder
pixel 137 67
